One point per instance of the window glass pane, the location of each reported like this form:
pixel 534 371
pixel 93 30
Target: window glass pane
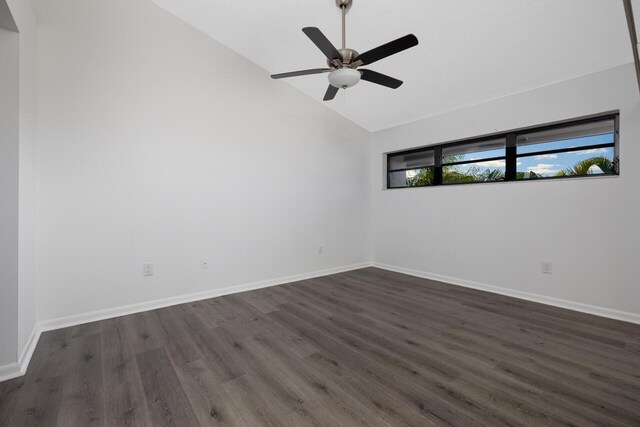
pixel 412 160
pixel 493 170
pixel 474 151
pixel 583 135
pixel 596 161
pixel 411 178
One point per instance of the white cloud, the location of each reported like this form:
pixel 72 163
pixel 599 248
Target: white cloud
pixel 592 151
pixel 547 157
pixel 544 169
pixel 543 166
pixel 493 164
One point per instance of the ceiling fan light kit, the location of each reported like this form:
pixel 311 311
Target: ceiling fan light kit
pixel 344 63
pixel 343 78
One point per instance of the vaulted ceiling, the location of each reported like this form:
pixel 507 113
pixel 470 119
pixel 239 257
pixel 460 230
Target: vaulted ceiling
pixel 471 51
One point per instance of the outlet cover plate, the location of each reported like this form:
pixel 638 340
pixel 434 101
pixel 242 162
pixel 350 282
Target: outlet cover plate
pixel 147 269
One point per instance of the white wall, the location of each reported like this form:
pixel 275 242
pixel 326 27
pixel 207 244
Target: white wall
pixel 9 148
pixel 24 16
pixel 18 193
pixel 156 143
pixel 497 234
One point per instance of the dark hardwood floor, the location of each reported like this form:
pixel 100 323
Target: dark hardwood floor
pixel 367 347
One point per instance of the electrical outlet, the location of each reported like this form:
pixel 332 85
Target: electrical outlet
pixel 147 269
pixel 204 263
pixel 320 250
pixel 547 267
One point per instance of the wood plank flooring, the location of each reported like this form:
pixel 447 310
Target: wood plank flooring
pixel 362 348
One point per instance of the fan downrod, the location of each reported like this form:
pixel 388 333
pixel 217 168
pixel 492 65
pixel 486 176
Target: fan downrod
pixel 348 55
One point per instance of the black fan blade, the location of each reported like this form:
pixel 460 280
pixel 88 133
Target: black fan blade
pixel 388 49
pixel 322 42
pixel 332 91
pixel 301 73
pixel 381 79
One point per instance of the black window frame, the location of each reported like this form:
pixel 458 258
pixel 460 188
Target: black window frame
pixel 511 153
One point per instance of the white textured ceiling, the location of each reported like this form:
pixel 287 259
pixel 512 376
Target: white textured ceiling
pixel 470 51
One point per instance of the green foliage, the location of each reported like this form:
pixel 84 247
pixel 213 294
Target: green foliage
pixel 579 169
pixel 582 168
pixel 453 175
pixel 450 175
pixel 493 175
pixel 452 158
pixel 422 178
pixel 456 175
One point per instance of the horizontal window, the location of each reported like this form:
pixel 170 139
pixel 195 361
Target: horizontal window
pixel 411 169
pixel 577 149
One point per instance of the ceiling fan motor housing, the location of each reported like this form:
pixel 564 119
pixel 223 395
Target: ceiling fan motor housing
pixel 348 58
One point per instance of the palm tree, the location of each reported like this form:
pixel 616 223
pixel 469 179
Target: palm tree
pixel 422 178
pixel 493 175
pixel 474 174
pixel 450 175
pixel 587 167
pixel 425 176
pixel 455 176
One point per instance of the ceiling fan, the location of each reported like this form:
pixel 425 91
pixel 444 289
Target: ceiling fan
pixel 344 63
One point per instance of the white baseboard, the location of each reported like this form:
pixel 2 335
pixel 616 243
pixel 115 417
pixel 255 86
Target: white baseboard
pixel 18 369
pixel 78 319
pixel 15 370
pixel 557 302
pixel 29 348
pixel 10 371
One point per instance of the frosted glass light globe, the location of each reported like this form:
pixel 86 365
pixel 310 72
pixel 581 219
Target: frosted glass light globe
pixel 344 77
